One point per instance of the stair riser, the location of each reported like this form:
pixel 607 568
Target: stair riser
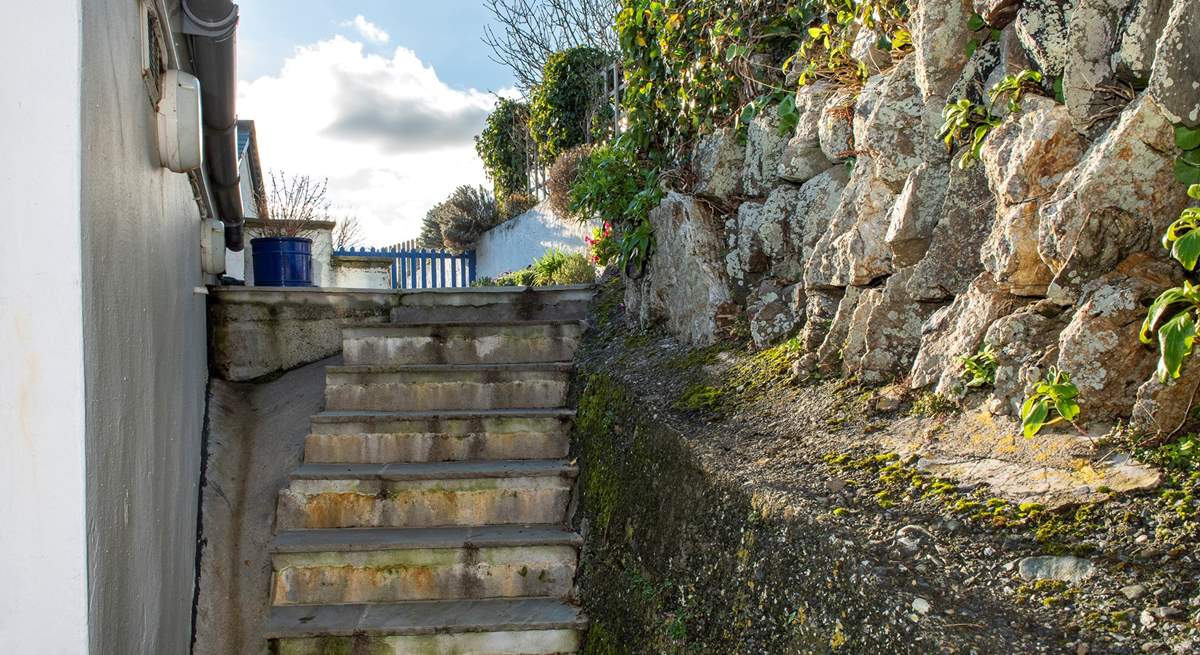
pixel 451 390
pixel 423 574
pixel 382 448
pixel 460 345
pixel 378 503
pixel 528 642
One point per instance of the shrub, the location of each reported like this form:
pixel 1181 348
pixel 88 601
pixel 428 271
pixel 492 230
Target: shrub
pixel 562 176
pixel 504 146
pixel 1053 397
pixel 461 218
pixel 561 105
pixel 557 267
pixel 515 204
pixel 603 246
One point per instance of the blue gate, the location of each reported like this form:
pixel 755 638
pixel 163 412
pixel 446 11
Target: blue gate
pixel 420 268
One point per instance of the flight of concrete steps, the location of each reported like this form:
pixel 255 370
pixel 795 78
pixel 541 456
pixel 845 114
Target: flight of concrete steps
pixel 429 515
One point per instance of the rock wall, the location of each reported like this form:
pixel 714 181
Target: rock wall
pixel 861 233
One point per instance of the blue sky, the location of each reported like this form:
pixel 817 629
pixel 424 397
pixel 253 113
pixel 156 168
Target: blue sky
pixel 382 99
pixel 445 34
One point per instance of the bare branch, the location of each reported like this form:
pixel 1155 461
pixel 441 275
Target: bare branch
pixel 347 233
pixel 529 31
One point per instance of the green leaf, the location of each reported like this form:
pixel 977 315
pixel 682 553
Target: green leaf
pixel 1194 191
pixel 1186 173
pixel 972 46
pixel 1187 138
pixel 1033 416
pixel 1067 408
pixel 1060 93
pixel 1176 339
pixel 1186 249
pixel 1191 157
pixel 976 23
pixel 1157 310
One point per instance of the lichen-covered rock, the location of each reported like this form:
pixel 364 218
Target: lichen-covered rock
pixel 820 308
pixel 997 13
pixel 852 251
pixel 1026 343
pixel 1025 159
pixel 855 344
pixel 1162 407
pixel 952 259
pixel 1141 29
pixel 1012 60
pixel 940 36
pixel 764 150
pixel 1174 80
pixel 686 288
pixel 1042 28
pixel 972 81
pixel 1092 33
pixel 893 331
pixel 829 354
pixel 1010 252
pixel 775 312
pixel 1099 346
pixel 719 163
pixel 862 106
pixel 866 51
pixel 1027 156
pixel 777 236
pixel 916 213
pixel 957 330
pixel 1119 198
pixel 835 129
pixel 898 138
pixel 802 157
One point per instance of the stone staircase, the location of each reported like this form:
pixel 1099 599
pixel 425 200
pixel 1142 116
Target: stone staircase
pixel 429 515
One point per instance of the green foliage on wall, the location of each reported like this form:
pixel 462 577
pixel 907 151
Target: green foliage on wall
pixel 561 106
pixel 503 146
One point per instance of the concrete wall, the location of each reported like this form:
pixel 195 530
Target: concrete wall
pixel 43 542
pixel 144 352
pixel 361 273
pixel 514 244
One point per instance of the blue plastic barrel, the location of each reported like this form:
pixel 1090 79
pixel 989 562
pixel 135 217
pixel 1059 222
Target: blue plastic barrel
pixel 282 261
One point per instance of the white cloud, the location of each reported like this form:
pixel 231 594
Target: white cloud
pixel 369 31
pixel 392 138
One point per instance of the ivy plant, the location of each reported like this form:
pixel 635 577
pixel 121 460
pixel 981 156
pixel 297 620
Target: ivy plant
pixel 979 369
pixel 560 105
pixel 1052 401
pixel 1173 315
pixel 966 124
pixel 504 147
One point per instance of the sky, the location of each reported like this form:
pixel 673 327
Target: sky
pixel 382 98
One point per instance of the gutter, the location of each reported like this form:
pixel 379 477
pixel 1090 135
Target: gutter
pixel 211 26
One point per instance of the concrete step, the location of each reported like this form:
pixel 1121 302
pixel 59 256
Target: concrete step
pixel 461 343
pixel 448 387
pixel 419 495
pixel 383 437
pixel 488 304
pixel 528 626
pixel 371 565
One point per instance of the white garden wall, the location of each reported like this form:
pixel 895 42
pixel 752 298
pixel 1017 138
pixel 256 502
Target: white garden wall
pixel 515 243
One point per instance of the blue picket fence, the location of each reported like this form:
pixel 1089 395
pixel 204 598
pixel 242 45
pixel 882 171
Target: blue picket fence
pixel 420 268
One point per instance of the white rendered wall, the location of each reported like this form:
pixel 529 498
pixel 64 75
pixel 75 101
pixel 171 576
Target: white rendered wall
pixel 514 244
pixel 43 544
pixel 361 275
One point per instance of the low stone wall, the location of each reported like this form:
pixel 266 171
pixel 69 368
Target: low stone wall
pixel 259 331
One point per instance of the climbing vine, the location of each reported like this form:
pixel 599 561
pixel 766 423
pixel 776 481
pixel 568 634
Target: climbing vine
pixel 561 105
pixel 504 146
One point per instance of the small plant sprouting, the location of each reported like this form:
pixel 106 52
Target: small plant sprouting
pixel 983 33
pixel 1055 394
pixel 979 369
pixel 966 123
pixel 1015 86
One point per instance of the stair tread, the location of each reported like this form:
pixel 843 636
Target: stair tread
pixel 456 470
pixel 555 367
pixel 423 617
pixel 368 539
pixel 353 416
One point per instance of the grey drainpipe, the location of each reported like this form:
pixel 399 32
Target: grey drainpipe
pixel 211 26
